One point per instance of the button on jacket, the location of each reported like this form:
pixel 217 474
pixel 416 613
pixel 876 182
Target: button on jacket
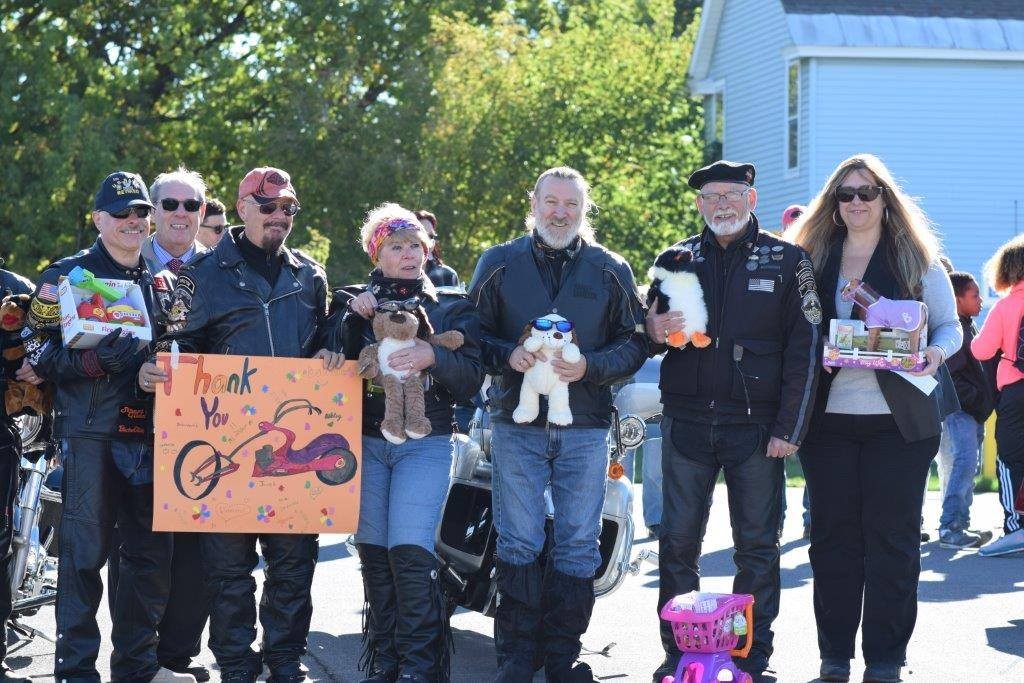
pixel 763 317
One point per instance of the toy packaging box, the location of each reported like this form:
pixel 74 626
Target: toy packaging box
pixel 848 347
pixel 88 315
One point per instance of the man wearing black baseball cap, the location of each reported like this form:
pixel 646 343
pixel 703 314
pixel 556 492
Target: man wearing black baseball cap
pixel 741 403
pixel 105 432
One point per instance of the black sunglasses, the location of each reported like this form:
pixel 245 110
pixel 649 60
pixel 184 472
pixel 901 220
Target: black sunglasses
pixel 140 211
pixel 289 208
pixel 191 205
pixel 544 324
pixel 217 229
pixel 409 305
pixel 867 193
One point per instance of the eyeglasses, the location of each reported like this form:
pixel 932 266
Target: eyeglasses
pixel 140 211
pixel 730 196
pixel 867 193
pixel 545 324
pixel 408 305
pixel 289 208
pixel 217 229
pixel 191 205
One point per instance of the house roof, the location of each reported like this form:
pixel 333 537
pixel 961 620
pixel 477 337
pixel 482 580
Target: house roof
pixel 964 9
pixel 921 29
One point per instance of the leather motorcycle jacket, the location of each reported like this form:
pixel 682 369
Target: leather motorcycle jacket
pixel 595 290
pixel 456 375
pixel 221 305
pixel 89 402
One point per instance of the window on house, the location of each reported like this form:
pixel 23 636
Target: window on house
pixel 793 115
pixel 714 126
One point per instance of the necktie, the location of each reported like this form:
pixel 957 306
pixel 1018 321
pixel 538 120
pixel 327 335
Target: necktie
pixel 174 265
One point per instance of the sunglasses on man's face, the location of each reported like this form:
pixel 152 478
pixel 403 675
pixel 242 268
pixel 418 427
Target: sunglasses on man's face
pixel 217 229
pixel 867 193
pixel 544 324
pixel 140 211
pixel 409 305
pixel 289 208
pixel 191 205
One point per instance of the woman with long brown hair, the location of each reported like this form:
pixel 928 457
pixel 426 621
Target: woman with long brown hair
pixel 867 454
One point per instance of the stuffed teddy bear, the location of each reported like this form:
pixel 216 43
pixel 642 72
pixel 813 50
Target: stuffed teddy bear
pixel 675 287
pixel 548 334
pixel 397 327
pixel 19 396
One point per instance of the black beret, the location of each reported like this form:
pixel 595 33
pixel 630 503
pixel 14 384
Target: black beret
pixel 723 172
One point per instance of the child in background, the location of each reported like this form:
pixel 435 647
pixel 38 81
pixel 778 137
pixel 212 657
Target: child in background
pixel 1001 333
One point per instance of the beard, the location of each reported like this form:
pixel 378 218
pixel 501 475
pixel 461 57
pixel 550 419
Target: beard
pixel 273 239
pixel 724 229
pixel 559 239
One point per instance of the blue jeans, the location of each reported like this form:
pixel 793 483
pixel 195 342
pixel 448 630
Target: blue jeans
pixel 574 461
pixel 652 482
pixel 962 436
pixel 403 490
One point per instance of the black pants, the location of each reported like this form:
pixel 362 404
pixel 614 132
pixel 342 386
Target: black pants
pixel 692 456
pixel 10 459
pixel 96 495
pixel 867 488
pixel 1010 444
pixel 188 608
pixel 285 607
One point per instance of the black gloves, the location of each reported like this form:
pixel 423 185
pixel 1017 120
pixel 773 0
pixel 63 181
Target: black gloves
pixel 116 351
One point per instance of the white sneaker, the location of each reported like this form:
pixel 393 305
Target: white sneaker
pixel 168 676
pixel 1010 543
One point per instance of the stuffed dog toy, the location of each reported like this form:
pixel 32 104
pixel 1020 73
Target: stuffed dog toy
pixel 675 287
pixel 397 325
pixel 548 334
pixel 19 396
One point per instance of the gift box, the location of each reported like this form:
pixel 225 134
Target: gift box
pixel 86 316
pixel 847 347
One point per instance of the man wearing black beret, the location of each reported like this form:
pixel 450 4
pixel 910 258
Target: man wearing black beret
pixel 741 403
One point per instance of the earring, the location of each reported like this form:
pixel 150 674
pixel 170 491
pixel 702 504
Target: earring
pixel 835 218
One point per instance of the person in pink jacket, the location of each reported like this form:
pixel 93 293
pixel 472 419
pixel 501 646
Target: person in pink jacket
pixel 1002 333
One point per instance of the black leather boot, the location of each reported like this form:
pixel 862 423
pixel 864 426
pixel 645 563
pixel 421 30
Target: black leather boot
pixel 422 637
pixel 379 660
pixel 517 620
pixel 568 602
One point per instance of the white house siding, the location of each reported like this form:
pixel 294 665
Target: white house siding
pixel 950 132
pixel 748 58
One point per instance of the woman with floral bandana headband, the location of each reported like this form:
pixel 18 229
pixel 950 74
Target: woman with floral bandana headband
pixel 404 485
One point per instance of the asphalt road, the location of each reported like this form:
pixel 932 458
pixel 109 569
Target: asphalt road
pixel 970 625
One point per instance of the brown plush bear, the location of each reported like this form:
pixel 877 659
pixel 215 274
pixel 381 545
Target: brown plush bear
pixel 19 396
pixel 404 402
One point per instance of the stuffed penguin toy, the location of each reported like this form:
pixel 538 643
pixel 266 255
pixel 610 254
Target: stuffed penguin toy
pixel 675 287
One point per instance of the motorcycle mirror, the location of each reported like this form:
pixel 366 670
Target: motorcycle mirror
pixel 632 431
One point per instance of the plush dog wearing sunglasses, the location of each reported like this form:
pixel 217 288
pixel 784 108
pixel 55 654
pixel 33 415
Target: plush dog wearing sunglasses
pixel 549 334
pixel 675 287
pixel 397 325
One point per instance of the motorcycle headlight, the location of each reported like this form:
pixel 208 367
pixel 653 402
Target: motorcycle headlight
pixel 29 426
pixel 632 431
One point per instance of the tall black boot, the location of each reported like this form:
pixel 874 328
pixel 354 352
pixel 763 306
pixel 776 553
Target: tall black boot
pixel 379 659
pixel 422 636
pixel 517 620
pixel 568 602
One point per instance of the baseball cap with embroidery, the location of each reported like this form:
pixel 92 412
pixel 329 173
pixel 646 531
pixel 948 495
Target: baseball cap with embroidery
pixel 120 190
pixel 265 184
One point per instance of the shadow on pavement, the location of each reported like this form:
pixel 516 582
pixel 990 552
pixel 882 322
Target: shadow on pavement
pixel 965 575
pixel 1007 638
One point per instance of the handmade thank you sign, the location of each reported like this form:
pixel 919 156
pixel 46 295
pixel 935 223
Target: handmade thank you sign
pixel 256 445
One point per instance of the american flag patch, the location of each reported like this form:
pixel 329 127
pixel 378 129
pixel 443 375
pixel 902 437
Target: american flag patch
pixel 47 292
pixel 760 285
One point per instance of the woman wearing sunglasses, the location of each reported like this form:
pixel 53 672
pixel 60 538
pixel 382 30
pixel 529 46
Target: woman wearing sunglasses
pixel 874 435
pixel 404 485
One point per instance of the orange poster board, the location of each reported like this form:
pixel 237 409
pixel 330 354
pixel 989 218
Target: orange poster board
pixel 257 445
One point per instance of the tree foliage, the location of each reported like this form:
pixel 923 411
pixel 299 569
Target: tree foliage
pixel 455 105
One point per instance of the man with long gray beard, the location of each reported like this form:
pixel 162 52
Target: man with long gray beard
pixel 741 404
pixel 557 268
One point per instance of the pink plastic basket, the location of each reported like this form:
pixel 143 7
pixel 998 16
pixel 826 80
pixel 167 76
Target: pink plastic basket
pixel 702 622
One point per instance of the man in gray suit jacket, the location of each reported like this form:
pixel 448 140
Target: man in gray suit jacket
pixel 180 199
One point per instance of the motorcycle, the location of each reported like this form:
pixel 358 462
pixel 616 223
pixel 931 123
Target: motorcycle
pixel 466 538
pixel 36 523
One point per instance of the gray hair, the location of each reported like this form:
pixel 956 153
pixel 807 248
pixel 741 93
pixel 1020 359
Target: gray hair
pixel 586 230
pixel 179 175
